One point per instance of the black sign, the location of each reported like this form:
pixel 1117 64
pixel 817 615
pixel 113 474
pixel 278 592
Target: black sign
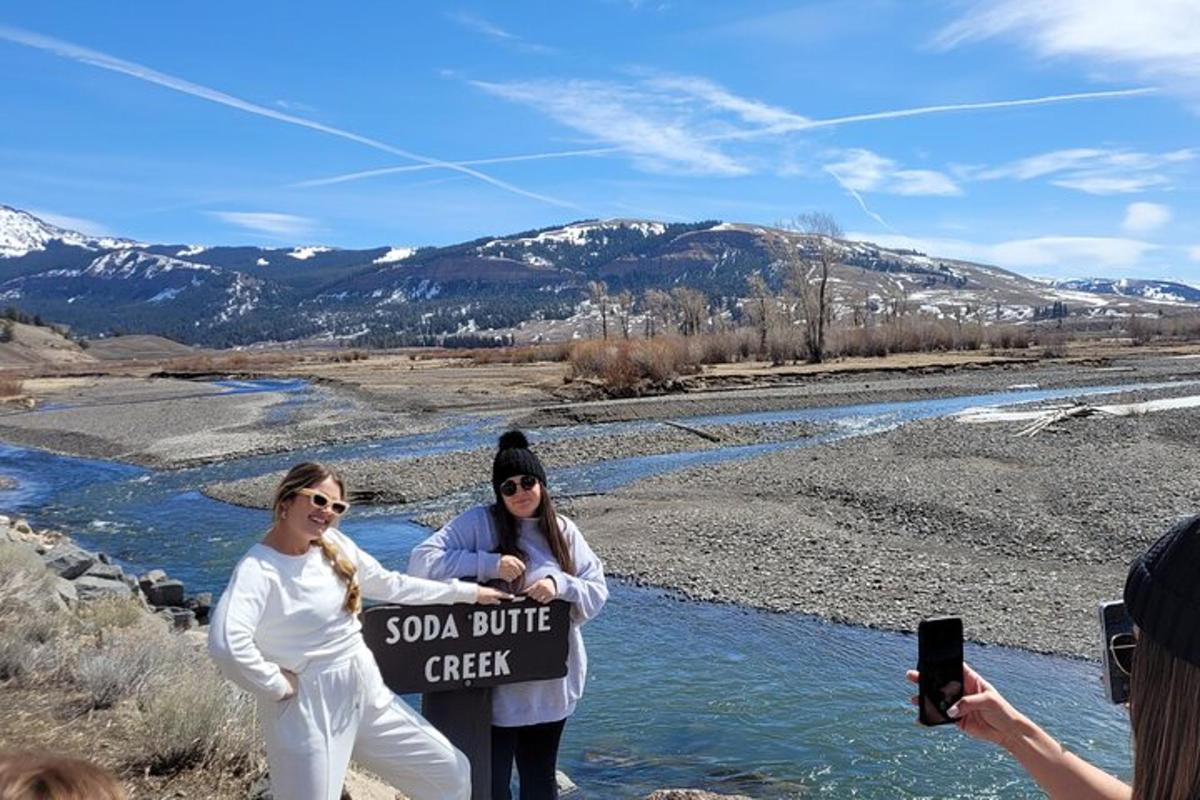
pixel 437 648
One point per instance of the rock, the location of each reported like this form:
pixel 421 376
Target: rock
pixel 105 570
pixel 104 558
pixel 66 591
pixel 182 619
pixel 68 560
pixel 164 593
pixel 22 527
pixel 692 794
pixel 92 587
pixel 567 790
pixel 150 578
pixel 5 521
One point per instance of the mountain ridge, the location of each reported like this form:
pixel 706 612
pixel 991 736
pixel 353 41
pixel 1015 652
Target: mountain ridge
pixel 497 287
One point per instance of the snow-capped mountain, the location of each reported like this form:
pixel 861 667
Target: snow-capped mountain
pixel 22 233
pixel 1167 292
pixel 218 295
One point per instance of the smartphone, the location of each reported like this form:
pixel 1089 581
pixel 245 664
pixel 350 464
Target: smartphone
pixel 1116 650
pixel 940 662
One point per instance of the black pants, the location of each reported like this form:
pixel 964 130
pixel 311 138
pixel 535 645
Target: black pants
pixel 535 748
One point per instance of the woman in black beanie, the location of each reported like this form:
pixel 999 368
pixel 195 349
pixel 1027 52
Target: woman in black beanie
pixel 1162 595
pixel 521 541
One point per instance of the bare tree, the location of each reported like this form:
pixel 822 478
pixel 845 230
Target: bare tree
pixel 693 309
pixel 598 295
pixel 624 310
pixel 808 264
pixel 657 305
pixel 762 304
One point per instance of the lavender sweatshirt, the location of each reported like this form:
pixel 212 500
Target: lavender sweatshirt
pixel 464 549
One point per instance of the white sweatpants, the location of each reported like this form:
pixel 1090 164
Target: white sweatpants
pixel 312 736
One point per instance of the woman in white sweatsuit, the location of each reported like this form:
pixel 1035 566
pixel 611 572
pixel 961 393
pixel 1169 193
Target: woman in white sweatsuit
pixel 287 630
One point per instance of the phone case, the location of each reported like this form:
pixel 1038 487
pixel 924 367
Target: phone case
pixel 1114 621
pixel 939 660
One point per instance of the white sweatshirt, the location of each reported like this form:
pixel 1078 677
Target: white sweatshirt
pixel 285 612
pixel 464 548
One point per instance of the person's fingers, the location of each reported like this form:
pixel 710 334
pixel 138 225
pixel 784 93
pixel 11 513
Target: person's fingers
pixel 915 699
pixel 913 676
pixel 970 704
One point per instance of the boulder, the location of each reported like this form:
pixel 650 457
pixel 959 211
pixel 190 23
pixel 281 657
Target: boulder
pixel 22 527
pixel 66 591
pixel 164 593
pixel 68 560
pixel 104 570
pixel 182 619
pixel 201 604
pixel 150 578
pixel 93 587
pixel 104 558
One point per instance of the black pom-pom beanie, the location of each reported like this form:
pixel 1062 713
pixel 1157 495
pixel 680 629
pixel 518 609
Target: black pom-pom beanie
pixel 515 458
pixel 1162 592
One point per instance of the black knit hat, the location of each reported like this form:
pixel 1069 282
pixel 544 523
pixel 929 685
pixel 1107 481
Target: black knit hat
pixel 515 458
pixel 1162 592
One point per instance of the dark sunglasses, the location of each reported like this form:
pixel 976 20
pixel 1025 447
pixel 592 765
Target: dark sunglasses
pixel 320 500
pixel 1122 646
pixel 509 487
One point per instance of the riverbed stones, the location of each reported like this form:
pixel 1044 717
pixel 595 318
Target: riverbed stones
pixel 68 560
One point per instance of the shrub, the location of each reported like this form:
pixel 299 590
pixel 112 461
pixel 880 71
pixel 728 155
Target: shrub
pixel 32 647
pixel 11 387
pixel 192 716
pixel 108 613
pixel 123 661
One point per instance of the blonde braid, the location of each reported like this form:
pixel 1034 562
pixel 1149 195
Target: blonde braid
pixel 345 570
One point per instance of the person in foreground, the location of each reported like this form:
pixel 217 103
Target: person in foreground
pixel 521 540
pixel 46 776
pixel 287 630
pixel 1162 595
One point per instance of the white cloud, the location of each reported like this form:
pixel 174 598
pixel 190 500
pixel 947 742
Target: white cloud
pixel 865 171
pixel 1077 256
pixel 1194 253
pixel 1158 39
pixel 80 224
pixel 498 34
pixel 286 226
pixel 660 129
pixel 1092 170
pixel 1142 218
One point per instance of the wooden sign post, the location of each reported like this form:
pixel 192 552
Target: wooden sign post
pixel 454 654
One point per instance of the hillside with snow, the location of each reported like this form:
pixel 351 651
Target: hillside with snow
pixel 521 286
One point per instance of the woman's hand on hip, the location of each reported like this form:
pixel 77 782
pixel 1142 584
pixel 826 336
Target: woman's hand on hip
pixel 511 568
pixel 487 596
pixel 543 591
pixel 293 682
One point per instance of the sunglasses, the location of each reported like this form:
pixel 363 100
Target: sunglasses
pixel 509 487
pixel 1122 646
pixel 320 500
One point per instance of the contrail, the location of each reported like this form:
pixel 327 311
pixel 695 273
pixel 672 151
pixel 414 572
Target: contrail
pixel 773 130
pixel 861 203
pixel 372 173
pixel 104 61
pixel 803 125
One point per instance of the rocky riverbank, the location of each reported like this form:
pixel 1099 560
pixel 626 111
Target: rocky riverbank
pixel 1022 536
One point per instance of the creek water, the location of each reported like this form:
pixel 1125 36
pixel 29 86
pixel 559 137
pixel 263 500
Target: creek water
pixel 679 693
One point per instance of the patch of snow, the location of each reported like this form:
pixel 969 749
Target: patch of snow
pixel 22 233
pixel 262 262
pixel 166 294
pixel 305 253
pixel 395 254
pixel 192 250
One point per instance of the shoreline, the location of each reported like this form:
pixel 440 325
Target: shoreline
pixel 1021 536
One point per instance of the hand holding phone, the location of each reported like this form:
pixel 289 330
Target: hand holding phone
pixel 940 663
pixel 1116 650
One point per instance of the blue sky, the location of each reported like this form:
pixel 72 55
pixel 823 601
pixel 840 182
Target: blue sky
pixel 1056 139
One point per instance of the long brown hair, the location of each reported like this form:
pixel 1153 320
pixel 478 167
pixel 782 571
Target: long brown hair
pixel 304 475
pixel 38 776
pixel 509 535
pixel 1164 708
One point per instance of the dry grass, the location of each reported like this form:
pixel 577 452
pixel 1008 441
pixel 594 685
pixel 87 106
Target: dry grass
pixel 112 613
pixel 11 387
